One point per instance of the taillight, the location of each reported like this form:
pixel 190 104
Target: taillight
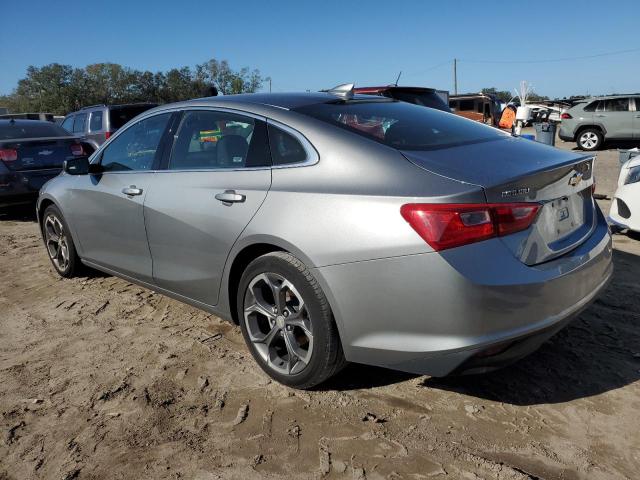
pixel 107 135
pixel 565 116
pixel 8 154
pixel 445 226
pixel 76 149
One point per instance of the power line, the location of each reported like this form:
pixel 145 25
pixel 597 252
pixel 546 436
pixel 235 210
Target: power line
pixel 554 60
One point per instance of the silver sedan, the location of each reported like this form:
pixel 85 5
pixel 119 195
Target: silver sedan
pixel 334 227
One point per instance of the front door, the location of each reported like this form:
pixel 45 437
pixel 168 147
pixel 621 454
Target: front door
pixel 217 177
pixel 107 208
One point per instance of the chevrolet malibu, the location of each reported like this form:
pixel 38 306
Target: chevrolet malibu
pixel 336 228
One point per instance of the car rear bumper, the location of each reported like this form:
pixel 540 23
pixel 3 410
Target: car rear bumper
pixel 472 308
pixel 23 186
pixel 566 134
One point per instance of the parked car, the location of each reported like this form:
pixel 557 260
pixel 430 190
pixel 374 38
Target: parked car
pixel 481 107
pixel 336 227
pixel 31 153
pixel 593 121
pixel 624 213
pixel 426 97
pixel 47 117
pixel 96 123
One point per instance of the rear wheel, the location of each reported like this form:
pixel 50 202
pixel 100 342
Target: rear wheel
pixel 287 323
pixel 60 246
pixel 590 139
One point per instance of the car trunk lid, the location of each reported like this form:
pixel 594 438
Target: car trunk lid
pixel 38 153
pixel 518 170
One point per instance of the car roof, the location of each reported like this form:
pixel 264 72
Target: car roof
pixel 284 101
pixel 24 122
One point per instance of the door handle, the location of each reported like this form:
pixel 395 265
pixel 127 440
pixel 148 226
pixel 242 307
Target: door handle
pixel 132 190
pixel 600 115
pixel 230 196
pixel 637 116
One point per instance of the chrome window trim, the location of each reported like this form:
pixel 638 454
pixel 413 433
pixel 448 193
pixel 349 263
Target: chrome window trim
pixel 312 154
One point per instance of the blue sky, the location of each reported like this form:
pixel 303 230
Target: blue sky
pixel 311 45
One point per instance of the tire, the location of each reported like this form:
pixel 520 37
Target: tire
pixel 590 139
pixel 294 339
pixel 59 244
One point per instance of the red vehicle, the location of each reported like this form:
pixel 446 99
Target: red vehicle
pixel 426 97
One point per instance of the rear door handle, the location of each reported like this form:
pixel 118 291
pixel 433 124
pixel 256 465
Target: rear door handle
pixel 600 115
pixel 230 196
pixel 132 190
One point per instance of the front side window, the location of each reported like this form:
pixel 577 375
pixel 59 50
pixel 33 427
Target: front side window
pixel 96 122
pixel 68 124
pixel 402 125
pixel 78 124
pixel 136 147
pixel 209 139
pixel 616 105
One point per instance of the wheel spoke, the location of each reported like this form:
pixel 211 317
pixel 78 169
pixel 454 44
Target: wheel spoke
pixel 268 339
pixel 257 307
pixel 278 292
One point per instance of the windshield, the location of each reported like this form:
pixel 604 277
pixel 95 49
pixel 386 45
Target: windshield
pixel 35 129
pixel 402 125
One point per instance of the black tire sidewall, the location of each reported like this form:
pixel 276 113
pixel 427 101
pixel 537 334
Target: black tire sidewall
pixel 321 320
pixel 73 257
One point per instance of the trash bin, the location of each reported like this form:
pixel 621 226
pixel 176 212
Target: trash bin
pixel 626 155
pixel 546 133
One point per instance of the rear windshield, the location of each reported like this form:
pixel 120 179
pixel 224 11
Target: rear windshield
pixel 431 100
pixel 402 125
pixel 9 131
pixel 121 115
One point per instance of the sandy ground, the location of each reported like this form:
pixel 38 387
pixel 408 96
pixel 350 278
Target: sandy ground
pixel 100 378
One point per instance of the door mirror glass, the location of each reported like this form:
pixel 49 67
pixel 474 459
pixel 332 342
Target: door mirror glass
pixel 76 166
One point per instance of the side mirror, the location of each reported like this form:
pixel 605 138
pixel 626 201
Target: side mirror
pixel 80 166
pixel 76 166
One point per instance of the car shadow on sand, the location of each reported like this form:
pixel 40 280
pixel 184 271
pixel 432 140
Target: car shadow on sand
pixel 598 352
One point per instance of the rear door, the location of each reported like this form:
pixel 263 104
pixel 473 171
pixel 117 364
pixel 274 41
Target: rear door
pixel 636 118
pixel 107 208
pixel 217 176
pixel 616 116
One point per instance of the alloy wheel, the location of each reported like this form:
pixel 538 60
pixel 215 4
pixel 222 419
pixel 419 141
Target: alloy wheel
pixel 588 140
pixel 56 242
pixel 278 323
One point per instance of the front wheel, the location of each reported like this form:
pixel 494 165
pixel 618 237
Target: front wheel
pixel 287 323
pixel 60 246
pixel 590 139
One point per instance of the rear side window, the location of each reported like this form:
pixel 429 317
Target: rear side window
pixel 96 122
pixel 35 129
pixel 68 124
pixel 616 105
pixel 118 116
pixel 402 125
pixel 209 139
pixel 136 147
pixel 78 123
pixel 285 148
pixel 592 106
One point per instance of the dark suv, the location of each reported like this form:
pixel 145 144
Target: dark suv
pixel 95 124
pixel 426 97
pixel 593 121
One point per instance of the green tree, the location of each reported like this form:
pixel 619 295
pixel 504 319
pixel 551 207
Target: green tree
pixel 60 89
pixel 502 95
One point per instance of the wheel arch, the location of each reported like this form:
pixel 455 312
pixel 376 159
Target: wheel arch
pixel 597 126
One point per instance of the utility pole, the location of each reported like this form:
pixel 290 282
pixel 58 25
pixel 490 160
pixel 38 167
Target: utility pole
pixel 269 84
pixel 455 76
